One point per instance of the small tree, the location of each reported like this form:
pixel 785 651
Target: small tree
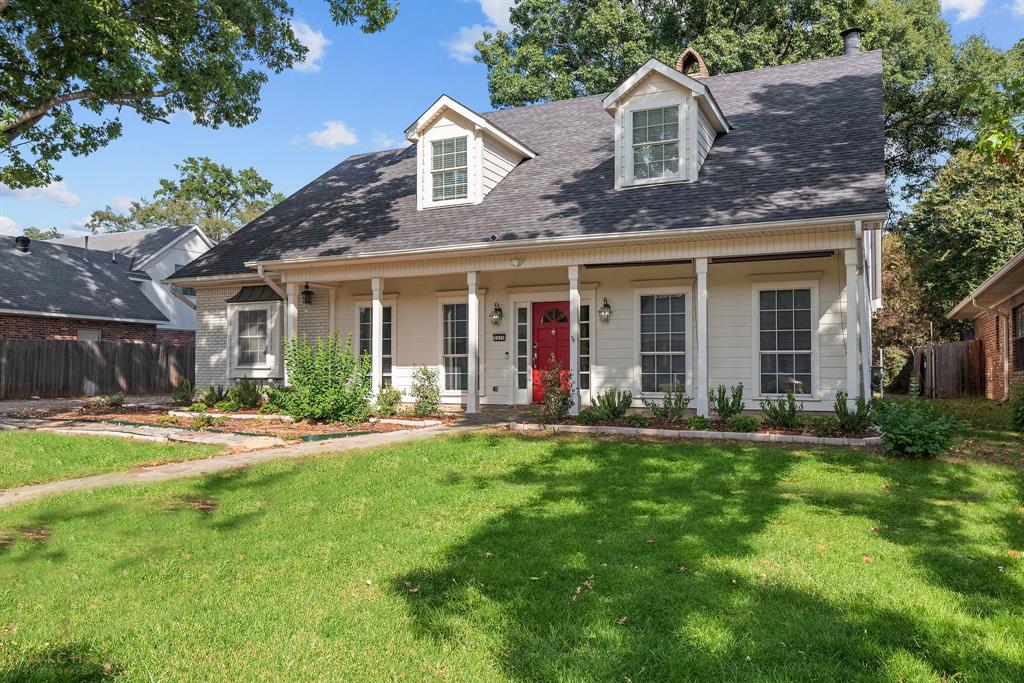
pixel 426 392
pixel 558 393
pixel 329 381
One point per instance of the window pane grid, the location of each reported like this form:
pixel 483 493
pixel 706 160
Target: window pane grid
pixel 456 346
pixel 252 337
pixel 449 163
pixel 784 338
pixel 1017 348
pixel 366 339
pixel 584 346
pixel 662 342
pixel 656 143
pixel 522 347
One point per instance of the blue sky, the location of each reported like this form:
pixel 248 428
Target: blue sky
pixel 355 93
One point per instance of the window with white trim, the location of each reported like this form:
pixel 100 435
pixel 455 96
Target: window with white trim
pixel 252 337
pixel 522 347
pixel 184 291
pixel 449 167
pixel 366 340
pixel 784 341
pixel 656 143
pixel 662 342
pixel 1017 345
pixel 584 347
pixel 455 350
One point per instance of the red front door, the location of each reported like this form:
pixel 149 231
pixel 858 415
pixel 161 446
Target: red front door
pixel 550 337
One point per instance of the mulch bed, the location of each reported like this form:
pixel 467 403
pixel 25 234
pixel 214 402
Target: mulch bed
pixel 714 426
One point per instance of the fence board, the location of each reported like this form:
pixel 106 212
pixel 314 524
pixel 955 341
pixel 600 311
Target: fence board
pixel 951 369
pixel 51 368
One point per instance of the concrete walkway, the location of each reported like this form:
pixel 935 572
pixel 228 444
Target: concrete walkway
pixel 55 405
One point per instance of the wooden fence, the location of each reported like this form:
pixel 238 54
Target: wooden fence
pixel 51 368
pixel 951 369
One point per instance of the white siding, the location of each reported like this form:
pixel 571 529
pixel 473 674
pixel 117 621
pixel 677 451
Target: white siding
pixel 180 316
pixel 705 137
pixel 497 163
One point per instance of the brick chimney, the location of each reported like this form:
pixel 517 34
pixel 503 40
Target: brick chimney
pixel 690 58
pixel 851 41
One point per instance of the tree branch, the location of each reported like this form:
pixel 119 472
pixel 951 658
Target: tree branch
pixel 30 117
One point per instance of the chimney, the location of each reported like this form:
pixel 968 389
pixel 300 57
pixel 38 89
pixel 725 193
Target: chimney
pixel 692 64
pixel 851 41
pixel 21 243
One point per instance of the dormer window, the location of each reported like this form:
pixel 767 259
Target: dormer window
pixel 656 143
pixel 449 168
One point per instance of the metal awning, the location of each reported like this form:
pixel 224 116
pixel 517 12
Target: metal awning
pixel 253 294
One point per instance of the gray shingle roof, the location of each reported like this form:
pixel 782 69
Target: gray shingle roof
pixel 139 244
pixel 807 142
pixel 58 278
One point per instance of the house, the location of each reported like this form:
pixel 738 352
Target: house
pixel 59 291
pixel 159 253
pixel 997 309
pixel 682 230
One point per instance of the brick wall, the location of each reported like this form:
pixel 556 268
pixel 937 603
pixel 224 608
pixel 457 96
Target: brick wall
pixel 176 337
pixel 44 327
pixel 212 335
pixel 985 330
pixel 313 319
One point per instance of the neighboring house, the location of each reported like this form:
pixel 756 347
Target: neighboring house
pixel 159 253
pixel 681 230
pixel 997 309
pixel 58 291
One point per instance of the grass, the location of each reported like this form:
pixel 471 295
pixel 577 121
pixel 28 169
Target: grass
pixel 988 435
pixel 28 457
pixel 494 557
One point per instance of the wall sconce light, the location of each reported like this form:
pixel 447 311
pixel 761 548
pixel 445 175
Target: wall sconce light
pixel 307 295
pixel 497 314
pixel 605 312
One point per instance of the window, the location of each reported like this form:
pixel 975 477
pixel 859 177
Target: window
pixel 1018 338
pixel 88 334
pixel 784 333
pixel 584 346
pixel 366 339
pixel 656 143
pixel 455 322
pixel 662 342
pixel 252 336
pixel 184 291
pixel 522 347
pixel 448 165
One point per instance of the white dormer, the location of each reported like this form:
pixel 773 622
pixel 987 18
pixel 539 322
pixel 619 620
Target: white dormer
pixel 460 155
pixel 665 125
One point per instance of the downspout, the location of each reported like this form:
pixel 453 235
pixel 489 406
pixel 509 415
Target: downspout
pixel 1004 353
pixel 180 297
pixel 864 315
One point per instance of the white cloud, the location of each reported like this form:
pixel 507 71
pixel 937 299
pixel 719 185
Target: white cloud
pixel 315 42
pixel 1018 8
pixel 461 45
pixel 54 192
pixel 8 226
pixel 965 9
pixel 333 134
pixel 382 140
pixel 121 204
pixel 497 12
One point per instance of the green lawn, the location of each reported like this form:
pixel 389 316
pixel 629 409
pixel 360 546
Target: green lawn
pixel 28 457
pixel 501 558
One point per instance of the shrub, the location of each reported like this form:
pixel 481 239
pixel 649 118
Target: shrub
pixel 183 392
pixel 854 421
pixel 612 404
pixel 113 400
pixel 202 421
pixel 197 407
pixel 558 400
pixel 822 425
pixel 214 394
pixel 698 422
pixel 783 413
pixel 268 409
pixel 587 417
pixel 388 401
pixel 637 420
pixel 228 406
pixel 914 386
pixel 278 398
pixel 673 406
pixel 743 423
pixel 1016 407
pixel 726 407
pixel 167 420
pixel 913 428
pixel 329 382
pixel 246 393
pixel 426 393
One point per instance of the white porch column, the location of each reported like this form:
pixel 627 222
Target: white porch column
pixel 865 333
pixel 701 403
pixel 332 301
pixel 473 321
pixel 376 337
pixel 291 317
pixel 853 378
pixel 574 337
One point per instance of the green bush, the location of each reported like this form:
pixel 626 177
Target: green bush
pixel 278 398
pixel 698 422
pixel 822 425
pixel 784 413
pixel 726 407
pixel 113 400
pixel 1016 407
pixel 204 421
pixel 637 420
pixel 268 409
pixel 426 393
pixel 183 392
pixel 246 393
pixel 329 382
pixel 558 400
pixel 612 404
pixel 743 423
pixel 856 421
pixel 214 394
pixel 673 406
pixel 388 401
pixel 228 406
pixel 914 429
pixel 588 417
pixel 197 407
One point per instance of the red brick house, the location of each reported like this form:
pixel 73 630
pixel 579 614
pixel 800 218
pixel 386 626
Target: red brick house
pixel 997 309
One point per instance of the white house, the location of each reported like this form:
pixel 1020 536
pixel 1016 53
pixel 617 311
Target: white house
pixel 680 230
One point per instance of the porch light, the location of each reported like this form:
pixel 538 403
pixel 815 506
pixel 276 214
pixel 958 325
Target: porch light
pixel 307 295
pixel 605 312
pixel 497 314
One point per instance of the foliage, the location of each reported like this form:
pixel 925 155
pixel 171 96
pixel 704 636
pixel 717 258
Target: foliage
pixel 388 401
pixel 42 234
pixel 612 404
pixel 914 386
pixel 821 425
pixel 723 405
pixel 588 416
pixel 112 401
pixel 203 421
pixel 672 408
pixel 329 381
pixel 856 421
pixel 228 406
pixel 743 423
pixel 783 413
pixel 246 393
pixel 913 428
pixel 184 391
pixel 1016 407
pixel 197 407
pixel 698 422
pixel 905 320
pixel 210 195
pixel 214 394
pixel 426 392
pixel 637 420
pixel 1000 137
pixel 72 69
pixel 268 409
pixel 557 384
pixel 277 398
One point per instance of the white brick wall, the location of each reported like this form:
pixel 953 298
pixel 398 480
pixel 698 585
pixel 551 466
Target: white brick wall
pixel 313 318
pixel 212 335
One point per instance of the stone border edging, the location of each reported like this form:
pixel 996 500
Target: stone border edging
pixel 234 416
pixel 698 434
pixel 406 423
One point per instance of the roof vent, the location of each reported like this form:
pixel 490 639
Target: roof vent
pixel 21 243
pixel 851 41
pixel 692 64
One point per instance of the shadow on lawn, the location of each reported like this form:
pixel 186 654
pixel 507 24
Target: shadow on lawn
pixel 616 568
